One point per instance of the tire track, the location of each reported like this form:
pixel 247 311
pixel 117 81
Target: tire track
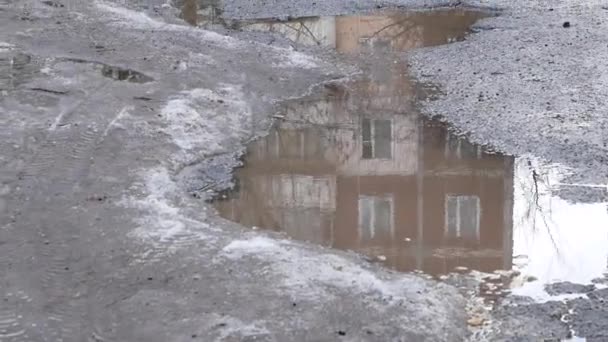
pixel 52 181
pixel 10 326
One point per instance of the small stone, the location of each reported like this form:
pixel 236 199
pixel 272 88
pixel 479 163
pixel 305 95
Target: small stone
pixel 475 321
pixel 381 257
pixel 531 279
pixel 566 24
pixel 341 332
pixel 493 278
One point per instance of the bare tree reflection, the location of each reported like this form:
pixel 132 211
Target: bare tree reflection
pixel 535 209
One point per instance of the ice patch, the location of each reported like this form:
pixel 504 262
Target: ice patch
pixel 6 46
pixel 163 220
pixel 196 118
pixel 302 271
pixel 257 245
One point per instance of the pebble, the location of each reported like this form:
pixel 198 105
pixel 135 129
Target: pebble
pixel 475 321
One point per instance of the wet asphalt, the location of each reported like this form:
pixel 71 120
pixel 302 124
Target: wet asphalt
pixel 71 266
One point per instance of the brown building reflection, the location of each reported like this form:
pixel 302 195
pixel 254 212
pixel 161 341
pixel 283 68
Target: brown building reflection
pixel 358 168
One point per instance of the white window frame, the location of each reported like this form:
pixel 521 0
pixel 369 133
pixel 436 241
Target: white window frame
pixel 458 201
pixel 372 199
pixel 372 135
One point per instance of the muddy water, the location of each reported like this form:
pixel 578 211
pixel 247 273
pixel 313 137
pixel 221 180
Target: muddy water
pixel 356 167
pixel 359 169
pixel 394 31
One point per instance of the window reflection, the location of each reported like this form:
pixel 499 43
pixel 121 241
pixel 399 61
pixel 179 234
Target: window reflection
pixel 375 216
pixel 462 216
pixel 377 139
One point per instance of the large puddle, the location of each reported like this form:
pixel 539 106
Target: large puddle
pixel 356 167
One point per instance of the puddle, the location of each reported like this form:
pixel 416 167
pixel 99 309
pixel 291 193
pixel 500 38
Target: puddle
pixel 395 29
pixel 359 169
pixel 120 74
pixel 356 167
pixel 114 72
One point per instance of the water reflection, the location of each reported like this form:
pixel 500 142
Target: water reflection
pixel 355 170
pixel 555 240
pixel 356 167
pixel 397 31
pixel 199 12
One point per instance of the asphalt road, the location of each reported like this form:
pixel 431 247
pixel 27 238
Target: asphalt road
pixel 110 113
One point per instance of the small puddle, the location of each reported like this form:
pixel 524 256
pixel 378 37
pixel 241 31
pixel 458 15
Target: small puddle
pixel 115 72
pixel 120 74
pixel 356 167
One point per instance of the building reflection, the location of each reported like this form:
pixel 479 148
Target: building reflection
pixel 356 167
pixel 397 31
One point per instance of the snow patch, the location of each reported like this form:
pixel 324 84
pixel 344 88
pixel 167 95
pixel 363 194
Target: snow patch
pixel 296 59
pixel 257 245
pixel 162 220
pixel 6 46
pixel 195 118
pixel 302 271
